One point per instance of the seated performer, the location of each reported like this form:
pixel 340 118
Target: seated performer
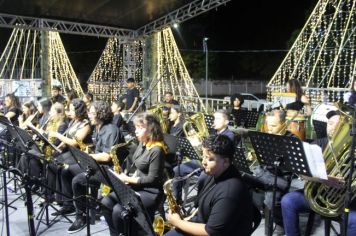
pixel 116 107
pixel 221 121
pixel 43 107
pixel 168 99
pixel 57 96
pixel 265 174
pixel 12 108
pixel 105 136
pixel 148 166
pixel 176 119
pixel 224 204
pixel 294 203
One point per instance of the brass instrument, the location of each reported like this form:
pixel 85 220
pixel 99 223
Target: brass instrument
pixel 159 225
pixel 323 199
pixel 162 118
pixel 52 125
pixel 29 120
pixel 195 129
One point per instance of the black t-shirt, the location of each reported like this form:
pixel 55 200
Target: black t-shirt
pixel 108 136
pixel 117 120
pixel 225 205
pixel 177 130
pixel 130 97
pixel 59 98
pixel 239 116
pixel 149 166
pixel 297 106
pixel 15 119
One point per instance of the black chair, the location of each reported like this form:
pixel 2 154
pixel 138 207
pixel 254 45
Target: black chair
pixel 328 226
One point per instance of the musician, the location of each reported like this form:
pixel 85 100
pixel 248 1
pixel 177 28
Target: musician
pixel 78 130
pixel 116 107
pixel 88 98
pixel 105 136
pixel 57 94
pixel 12 108
pixel 220 126
pixel 168 99
pixel 177 121
pixel 224 203
pixel 132 95
pixel 71 95
pixel 294 203
pixel 148 164
pixel 56 123
pixel 43 107
pixel 236 110
pixel 293 86
pixel 276 124
pixel 28 114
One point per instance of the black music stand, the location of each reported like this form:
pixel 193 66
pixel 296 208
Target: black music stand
pixel 251 119
pixel 240 161
pixel 91 169
pixel 186 149
pixel 280 152
pixel 131 202
pixel 209 121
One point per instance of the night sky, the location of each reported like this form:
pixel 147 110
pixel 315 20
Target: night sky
pixel 259 25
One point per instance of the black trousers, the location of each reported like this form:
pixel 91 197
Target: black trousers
pixel 30 165
pixel 112 211
pixel 67 177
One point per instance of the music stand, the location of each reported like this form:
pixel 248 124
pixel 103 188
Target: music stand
pixel 186 149
pixel 280 152
pixel 91 169
pixel 240 161
pixel 209 121
pixel 251 119
pixel 130 202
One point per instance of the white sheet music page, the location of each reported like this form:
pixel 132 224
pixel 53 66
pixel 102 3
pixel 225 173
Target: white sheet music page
pixel 315 160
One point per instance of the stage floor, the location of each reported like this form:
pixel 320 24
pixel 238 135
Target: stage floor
pixel 19 224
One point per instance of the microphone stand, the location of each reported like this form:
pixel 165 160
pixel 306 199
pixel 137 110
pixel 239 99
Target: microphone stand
pixel 349 193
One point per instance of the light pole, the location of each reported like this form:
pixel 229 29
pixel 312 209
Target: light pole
pixel 205 49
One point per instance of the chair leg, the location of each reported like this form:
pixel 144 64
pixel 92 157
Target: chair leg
pixel 267 217
pixel 327 225
pixel 310 223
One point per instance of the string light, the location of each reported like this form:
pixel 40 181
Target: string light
pixel 322 57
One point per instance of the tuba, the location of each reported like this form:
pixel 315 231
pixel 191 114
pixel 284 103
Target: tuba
pixel 195 129
pixel 323 199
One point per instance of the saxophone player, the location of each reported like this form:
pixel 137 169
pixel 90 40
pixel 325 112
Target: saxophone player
pixel 105 136
pixel 294 203
pixel 224 204
pixel 148 166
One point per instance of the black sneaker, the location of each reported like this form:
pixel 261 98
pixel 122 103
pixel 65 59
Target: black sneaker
pixel 78 225
pixel 64 211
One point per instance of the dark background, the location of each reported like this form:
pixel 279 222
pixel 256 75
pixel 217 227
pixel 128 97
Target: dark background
pixel 247 40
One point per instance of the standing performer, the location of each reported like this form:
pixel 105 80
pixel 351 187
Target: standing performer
pixel 145 175
pixel 224 204
pixel 293 86
pixel 236 109
pixel 132 95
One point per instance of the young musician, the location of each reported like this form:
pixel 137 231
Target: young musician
pixel 148 164
pixel 294 203
pixel 12 108
pixel 88 98
pixel 105 136
pixel 43 107
pixel 57 94
pixel 28 115
pixel 176 118
pixel 293 86
pixel 221 121
pixel 224 204
pixel 116 107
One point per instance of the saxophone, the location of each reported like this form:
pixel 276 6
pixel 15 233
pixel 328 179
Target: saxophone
pixel 105 190
pixel 159 225
pixel 82 146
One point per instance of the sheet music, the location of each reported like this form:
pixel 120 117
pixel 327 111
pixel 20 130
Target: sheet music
pixel 315 160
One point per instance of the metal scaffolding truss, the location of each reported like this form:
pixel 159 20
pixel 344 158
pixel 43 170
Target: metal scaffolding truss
pixel 184 13
pixel 13 21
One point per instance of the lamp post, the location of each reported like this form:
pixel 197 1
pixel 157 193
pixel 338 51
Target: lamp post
pixel 205 50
